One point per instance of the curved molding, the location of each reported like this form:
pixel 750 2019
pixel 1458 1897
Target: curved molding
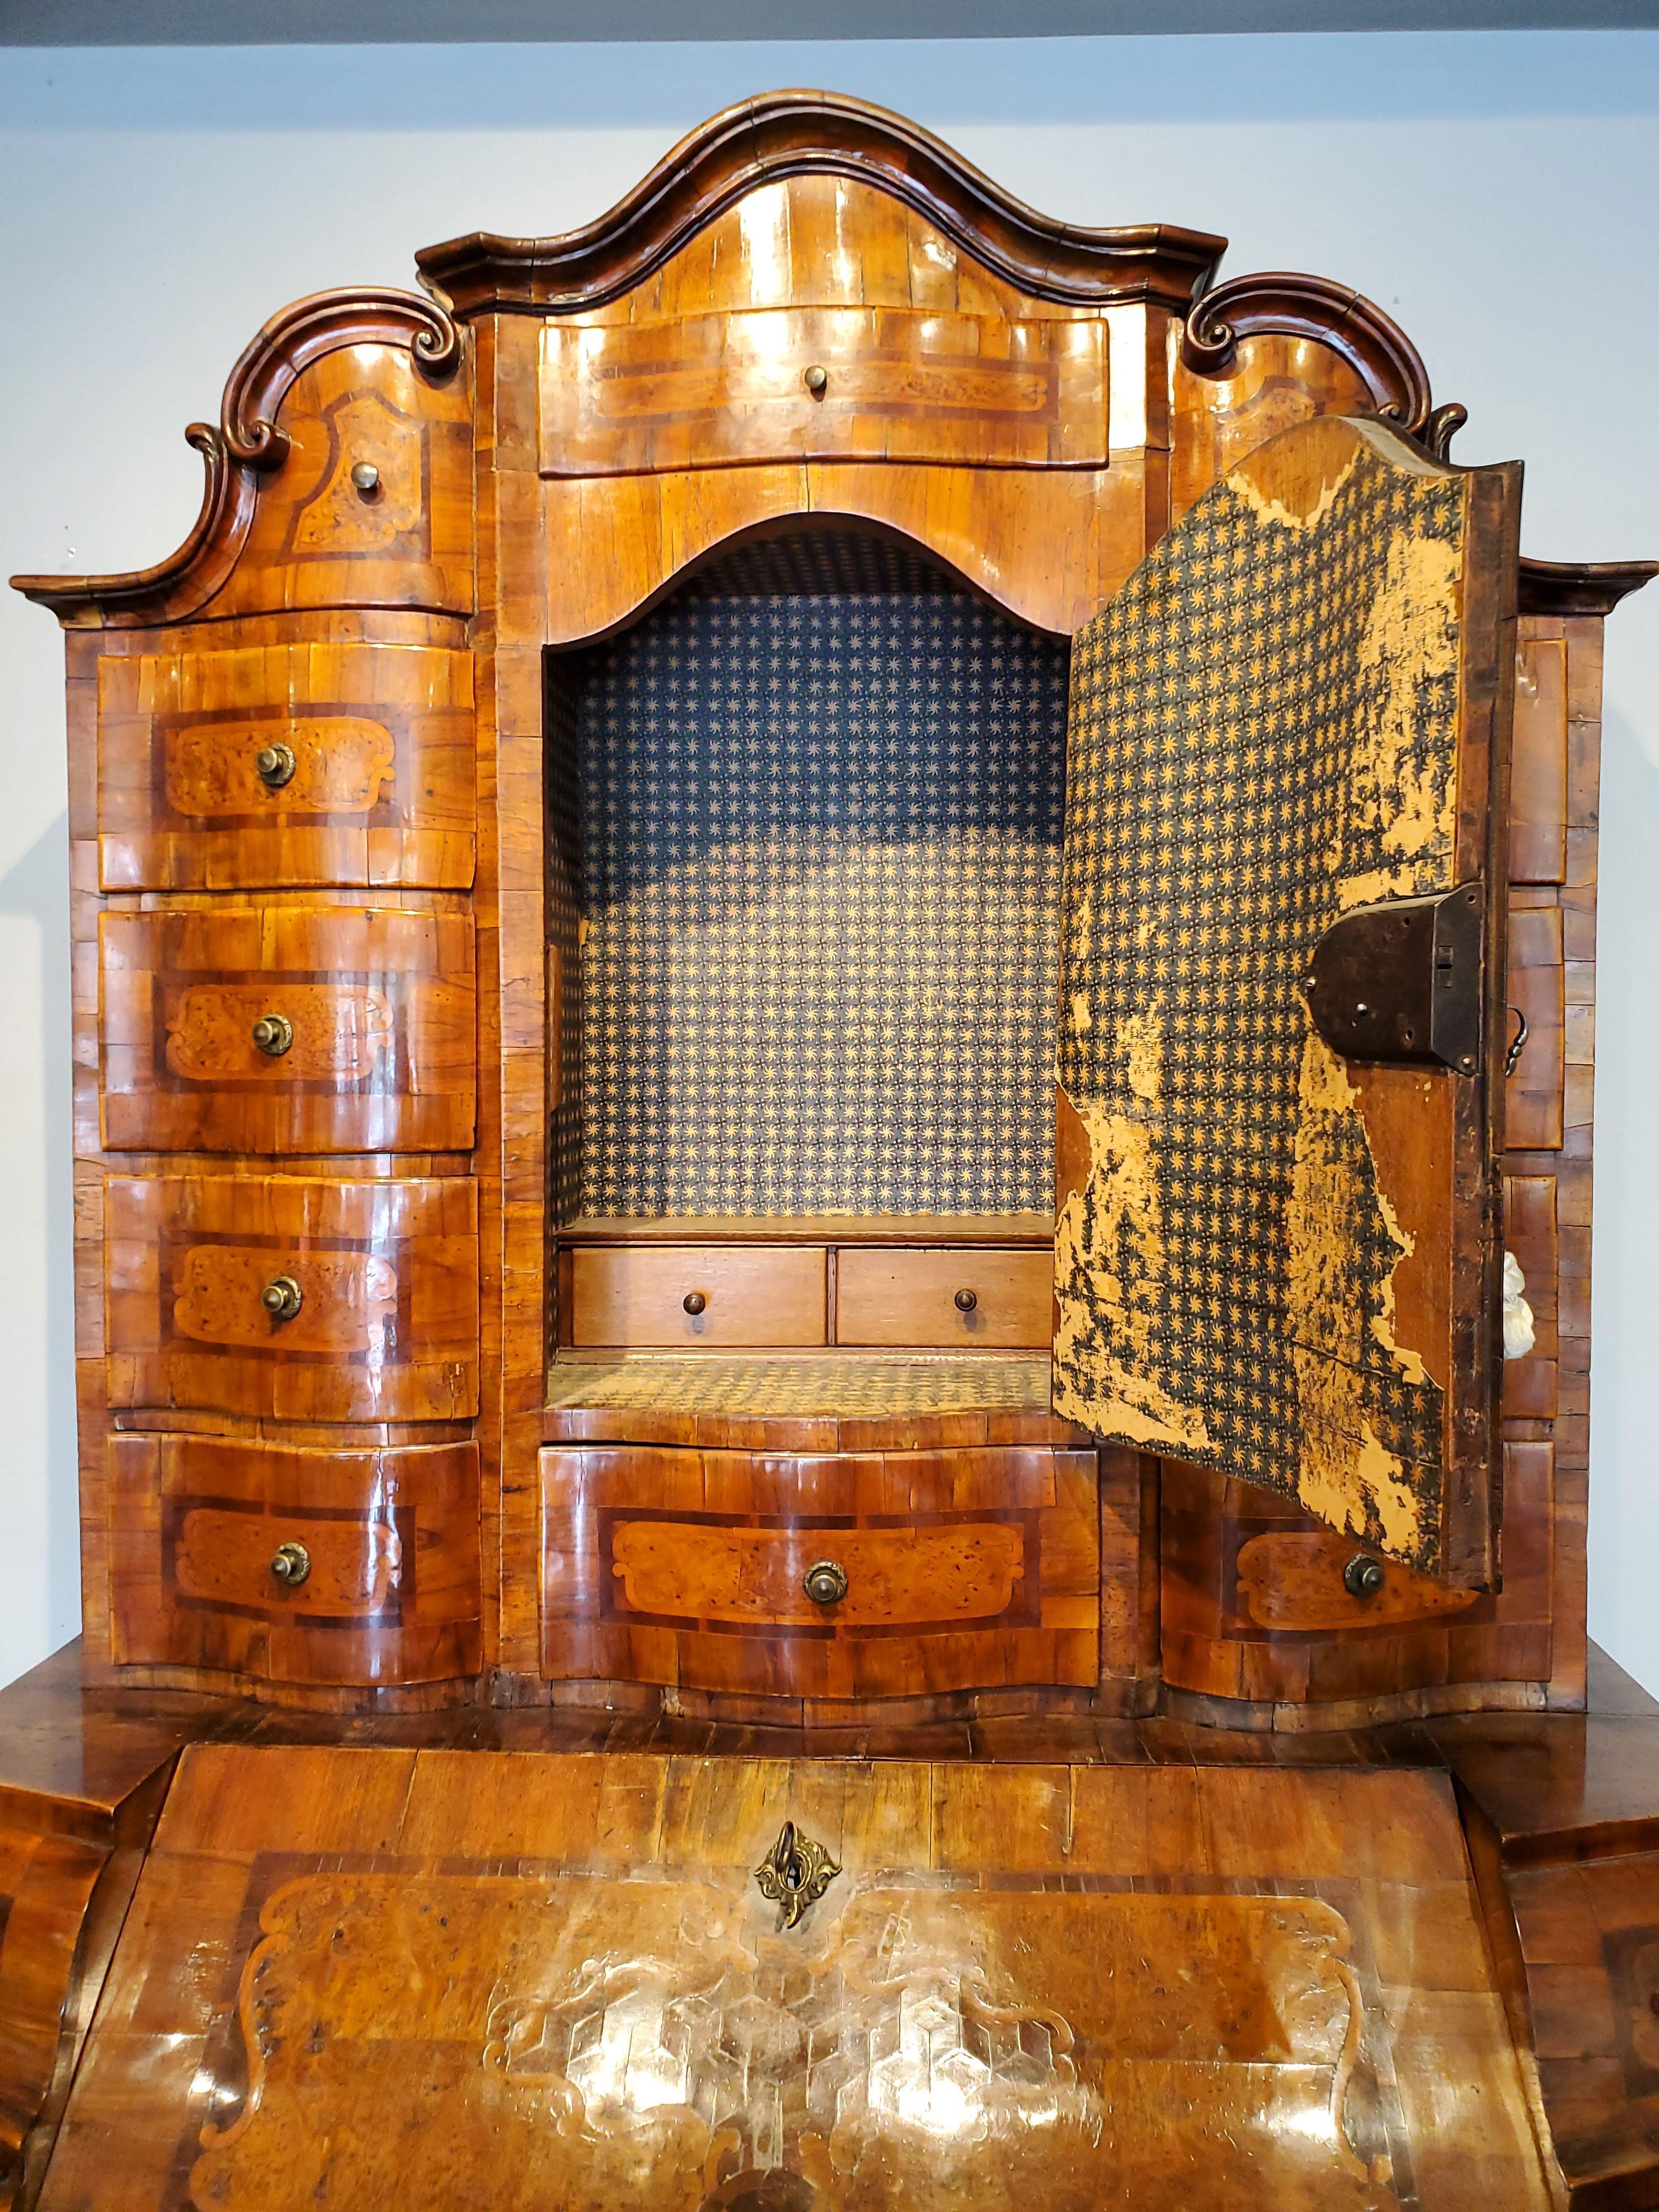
pixel 1279 302
pixel 791 134
pixel 1580 587
pixel 246 443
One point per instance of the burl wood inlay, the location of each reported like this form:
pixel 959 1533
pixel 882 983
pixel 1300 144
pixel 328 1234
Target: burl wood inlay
pixel 225 1558
pixel 525 1981
pixel 340 763
pixel 970 1572
pixel 339 1032
pixel 348 1297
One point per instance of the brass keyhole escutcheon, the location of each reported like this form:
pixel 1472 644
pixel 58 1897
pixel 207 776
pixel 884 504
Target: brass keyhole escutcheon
pixel 275 765
pixel 966 1301
pixel 1362 1576
pixel 694 1303
pixel 367 478
pixel 290 1566
pixel 282 1297
pixel 825 1582
pixel 273 1034
pixel 795 1873
pixel 816 380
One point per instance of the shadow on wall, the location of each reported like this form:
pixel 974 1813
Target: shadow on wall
pixel 1624 1417
pixel 35 890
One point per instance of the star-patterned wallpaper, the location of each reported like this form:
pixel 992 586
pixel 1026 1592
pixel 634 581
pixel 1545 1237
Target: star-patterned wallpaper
pixel 820 885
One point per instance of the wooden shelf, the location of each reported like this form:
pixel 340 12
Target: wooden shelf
pixel 903 1229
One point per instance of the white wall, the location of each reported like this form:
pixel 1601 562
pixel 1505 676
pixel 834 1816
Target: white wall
pixel 1494 192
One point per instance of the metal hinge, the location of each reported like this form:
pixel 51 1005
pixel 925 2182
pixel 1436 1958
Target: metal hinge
pixel 1401 982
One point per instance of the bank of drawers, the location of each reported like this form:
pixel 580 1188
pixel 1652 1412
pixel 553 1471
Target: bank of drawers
pixel 935 1570
pixel 715 1296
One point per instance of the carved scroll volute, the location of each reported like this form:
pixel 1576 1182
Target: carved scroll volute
pixel 1280 303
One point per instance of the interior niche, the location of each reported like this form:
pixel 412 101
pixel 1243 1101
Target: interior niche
pixel 804 874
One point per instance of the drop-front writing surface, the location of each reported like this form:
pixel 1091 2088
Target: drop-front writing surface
pixel 529 1980
pixel 327 786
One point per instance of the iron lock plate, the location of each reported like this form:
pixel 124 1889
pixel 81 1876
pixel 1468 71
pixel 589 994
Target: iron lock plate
pixel 1401 982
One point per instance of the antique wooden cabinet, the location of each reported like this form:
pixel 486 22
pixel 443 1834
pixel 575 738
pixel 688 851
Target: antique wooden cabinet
pixel 824 943
pixel 588 860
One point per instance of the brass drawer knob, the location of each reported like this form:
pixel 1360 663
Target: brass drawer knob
pixel 825 1582
pixel 816 380
pixel 275 765
pixel 966 1301
pixel 273 1034
pixel 367 478
pixel 282 1297
pixel 1362 1576
pixel 290 1566
pixel 694 1302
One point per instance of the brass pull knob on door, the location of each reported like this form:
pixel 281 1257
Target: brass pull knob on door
pixel 966 1300
pixel 694 1303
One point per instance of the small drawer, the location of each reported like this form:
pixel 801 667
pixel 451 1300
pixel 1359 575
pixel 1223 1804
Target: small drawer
pixel 994 1298
pixel 688 1295
pixel 286 1028
pixel 292 1296
pixel 323 1567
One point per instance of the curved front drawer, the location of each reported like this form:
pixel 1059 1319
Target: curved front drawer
pixel 376 1047
pixel 964 1569
pixel 382 1278
pixel 389 1539
pixel 368 756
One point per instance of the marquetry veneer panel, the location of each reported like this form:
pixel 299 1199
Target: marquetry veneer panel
pixel 379 1001
pixel 711 391
pixel 965 1569
pixel 387 1329
pixel 317 541
pixel 392 1594
pixel 381 789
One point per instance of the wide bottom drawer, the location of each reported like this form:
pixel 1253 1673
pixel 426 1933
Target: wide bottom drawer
pixel 326 1568
pixel 821 1575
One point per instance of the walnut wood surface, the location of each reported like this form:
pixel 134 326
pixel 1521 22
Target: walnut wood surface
pixel 381 791
pixel 751 1295
pixel 388 1271
pixel 392 1594
pixel 379 366
pixel 909 1298
pixel 900 384
pixel 785 135
pixel 1175 1970
pixel 301 605
pixel 965 1568
pixel 380 1005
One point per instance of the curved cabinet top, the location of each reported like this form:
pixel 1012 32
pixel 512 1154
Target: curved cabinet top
pixel 248 451
pixel 791 134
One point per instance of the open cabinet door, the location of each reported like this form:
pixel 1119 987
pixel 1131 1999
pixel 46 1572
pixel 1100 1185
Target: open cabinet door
pixel 1277 1251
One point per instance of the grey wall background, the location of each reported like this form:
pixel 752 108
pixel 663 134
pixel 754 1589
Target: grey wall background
pixel 1493 190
